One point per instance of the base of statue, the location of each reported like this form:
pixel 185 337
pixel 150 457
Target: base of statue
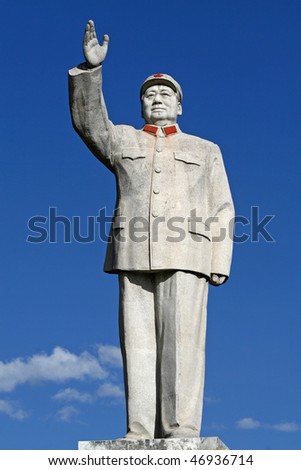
pixel 197 443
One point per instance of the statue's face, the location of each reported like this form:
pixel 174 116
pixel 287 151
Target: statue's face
pixel 160 105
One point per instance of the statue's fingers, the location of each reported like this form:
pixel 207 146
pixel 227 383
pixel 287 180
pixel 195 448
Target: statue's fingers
pixel 106 40
pixel 87 34
pixel 93 32
pixel 92 29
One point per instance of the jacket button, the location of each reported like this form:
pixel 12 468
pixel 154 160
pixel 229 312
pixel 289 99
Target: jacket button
pixel 155 214
pixel 156 190
pixel 158 169
pixel 159 150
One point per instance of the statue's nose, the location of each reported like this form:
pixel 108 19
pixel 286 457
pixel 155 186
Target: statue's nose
pixel 157 99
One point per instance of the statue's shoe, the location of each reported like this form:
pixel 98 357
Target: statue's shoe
pixel 134 436
pixel 183 433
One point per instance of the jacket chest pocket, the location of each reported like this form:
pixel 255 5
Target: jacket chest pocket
pixel 133 160
pixel 190 166
pixel 134 171
pixel 190 171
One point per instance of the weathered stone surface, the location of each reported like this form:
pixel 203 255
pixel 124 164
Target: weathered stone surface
pixel 203 443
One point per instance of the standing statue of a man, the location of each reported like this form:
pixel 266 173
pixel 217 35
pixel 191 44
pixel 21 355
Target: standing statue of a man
pixel 173 191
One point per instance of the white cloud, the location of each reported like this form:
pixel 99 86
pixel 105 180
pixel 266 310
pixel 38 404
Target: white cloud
pixel 10 410
pixel 285 427
pixel 67 413
pixel 110 390
pixel 110 355
pixel 248 423
pixel 70 394
pixel 59 366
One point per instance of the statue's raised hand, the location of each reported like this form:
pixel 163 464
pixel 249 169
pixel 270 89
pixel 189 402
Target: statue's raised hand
pixel 93 52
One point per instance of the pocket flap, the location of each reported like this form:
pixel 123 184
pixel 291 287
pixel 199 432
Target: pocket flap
pixel 199 228
pixel 133 153
pixel 188 157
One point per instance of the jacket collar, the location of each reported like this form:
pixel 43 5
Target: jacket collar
pixel 167 130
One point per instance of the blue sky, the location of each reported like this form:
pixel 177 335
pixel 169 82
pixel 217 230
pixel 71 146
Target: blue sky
pixel 239 66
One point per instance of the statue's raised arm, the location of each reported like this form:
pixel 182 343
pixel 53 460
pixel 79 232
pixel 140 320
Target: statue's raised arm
pixel 94 53
pixel 88 109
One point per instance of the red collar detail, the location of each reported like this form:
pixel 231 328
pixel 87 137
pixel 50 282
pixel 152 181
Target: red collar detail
pixel 151 129
pixel 168 130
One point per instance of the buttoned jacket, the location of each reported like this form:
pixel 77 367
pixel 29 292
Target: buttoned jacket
pixel 174 209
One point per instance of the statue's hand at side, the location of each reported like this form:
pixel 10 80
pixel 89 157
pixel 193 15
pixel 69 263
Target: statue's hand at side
pixel 217 279
pixel 93 52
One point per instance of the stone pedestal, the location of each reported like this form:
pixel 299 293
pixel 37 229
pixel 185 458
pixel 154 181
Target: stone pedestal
pixel 202 443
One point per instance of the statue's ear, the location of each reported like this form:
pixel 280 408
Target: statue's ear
pixel 179 109
pixel 141 109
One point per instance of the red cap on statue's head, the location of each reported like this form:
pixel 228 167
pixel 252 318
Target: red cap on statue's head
pixel 161 79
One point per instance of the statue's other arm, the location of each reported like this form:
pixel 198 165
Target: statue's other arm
pixel 88 109
pixel 222 217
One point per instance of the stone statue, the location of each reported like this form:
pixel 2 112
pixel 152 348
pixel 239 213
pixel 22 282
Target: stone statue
pixel 170 238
